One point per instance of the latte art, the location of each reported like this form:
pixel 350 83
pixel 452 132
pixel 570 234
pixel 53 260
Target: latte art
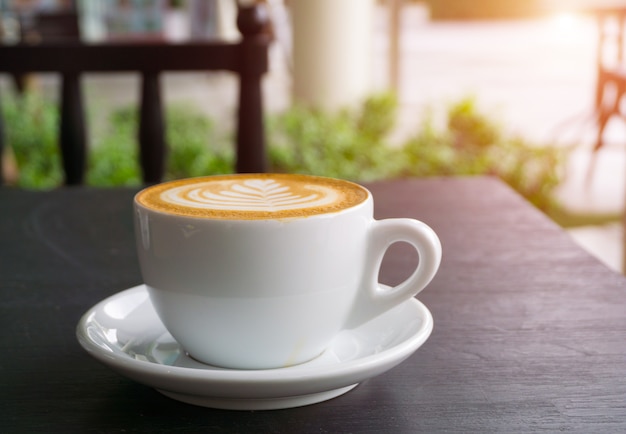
pixel 258 196
pixel 249 195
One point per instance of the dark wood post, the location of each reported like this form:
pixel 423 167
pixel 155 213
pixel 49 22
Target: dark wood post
pixel 252 22
pixel 72 137
pixel 152 145
pixel 2 144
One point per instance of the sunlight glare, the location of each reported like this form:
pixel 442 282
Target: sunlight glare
pixel 565 21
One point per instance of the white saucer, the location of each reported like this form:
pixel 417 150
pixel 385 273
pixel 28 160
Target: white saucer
pixel 124 333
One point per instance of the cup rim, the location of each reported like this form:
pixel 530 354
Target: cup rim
pixel 324 212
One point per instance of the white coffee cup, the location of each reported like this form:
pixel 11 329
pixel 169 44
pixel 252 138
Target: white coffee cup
pixel 261 271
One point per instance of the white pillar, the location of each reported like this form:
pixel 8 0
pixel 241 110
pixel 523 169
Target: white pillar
pixel 331 51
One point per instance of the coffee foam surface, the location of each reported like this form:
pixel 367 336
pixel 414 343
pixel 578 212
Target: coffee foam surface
pixel 253 196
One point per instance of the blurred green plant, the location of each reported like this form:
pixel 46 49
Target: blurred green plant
pixel 195 148
pixel 350 144
pixel 31 131
pixel 355 145
pixel 113 159
pixel 31 124
pixel 473 144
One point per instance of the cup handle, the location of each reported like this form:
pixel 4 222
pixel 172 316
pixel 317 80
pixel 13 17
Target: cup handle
pixel 373 298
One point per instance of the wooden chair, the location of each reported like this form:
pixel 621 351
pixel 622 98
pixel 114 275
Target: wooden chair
pixel 247 58
pixel 611 69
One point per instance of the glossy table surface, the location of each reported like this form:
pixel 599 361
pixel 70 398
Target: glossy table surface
pixel 529 329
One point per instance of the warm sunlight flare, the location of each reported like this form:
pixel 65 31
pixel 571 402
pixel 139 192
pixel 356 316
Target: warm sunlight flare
pixel 566 21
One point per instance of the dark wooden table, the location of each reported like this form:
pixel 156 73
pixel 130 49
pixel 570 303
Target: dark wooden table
pixel 530 330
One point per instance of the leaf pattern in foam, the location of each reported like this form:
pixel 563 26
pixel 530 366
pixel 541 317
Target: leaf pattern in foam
pixel 251 194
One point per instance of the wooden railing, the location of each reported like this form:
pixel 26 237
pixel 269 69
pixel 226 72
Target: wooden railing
pixel 246 58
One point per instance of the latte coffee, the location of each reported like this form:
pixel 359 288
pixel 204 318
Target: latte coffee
pixel 253 196
pixel 262 271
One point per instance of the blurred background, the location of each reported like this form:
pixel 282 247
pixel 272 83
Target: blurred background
pixel 358 89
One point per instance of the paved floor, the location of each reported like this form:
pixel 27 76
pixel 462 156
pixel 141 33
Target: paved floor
pixel 605 242
pixel 602 194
